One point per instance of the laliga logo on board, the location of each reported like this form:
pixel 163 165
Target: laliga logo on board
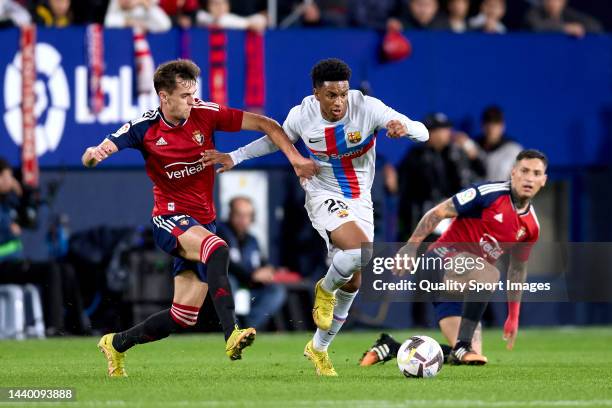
pixel 51 109
pixel 53 98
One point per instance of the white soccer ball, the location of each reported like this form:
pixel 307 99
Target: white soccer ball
pixel 420 356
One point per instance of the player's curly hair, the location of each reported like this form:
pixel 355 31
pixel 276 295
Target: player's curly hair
pixel 532 154
pixel 331 69
pixel 165 75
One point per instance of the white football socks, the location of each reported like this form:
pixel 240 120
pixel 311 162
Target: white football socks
pixel 322 339
pixel 344 264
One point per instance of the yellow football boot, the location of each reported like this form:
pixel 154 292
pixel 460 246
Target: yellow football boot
pixel 238 341
pixel 323 309
pixel 321 361
pixel 116 360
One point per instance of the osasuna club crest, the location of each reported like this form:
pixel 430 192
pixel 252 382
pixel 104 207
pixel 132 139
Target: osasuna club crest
pixel 198 137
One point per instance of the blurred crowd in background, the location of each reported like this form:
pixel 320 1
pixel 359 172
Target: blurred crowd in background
pixel 490 16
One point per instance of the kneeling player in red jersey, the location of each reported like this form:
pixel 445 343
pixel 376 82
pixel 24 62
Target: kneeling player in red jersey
pixel 172 140
pixel 489 220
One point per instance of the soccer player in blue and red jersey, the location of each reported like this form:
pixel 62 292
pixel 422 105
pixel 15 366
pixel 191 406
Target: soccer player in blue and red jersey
pixel 489 219
pixel 172 140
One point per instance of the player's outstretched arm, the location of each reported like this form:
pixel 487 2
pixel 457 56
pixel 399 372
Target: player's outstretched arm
pixel 425 227
pixel 517 274
pixel 257 148
pixel 397 124
pixel 95 154
pixel 303 167
pixel 407 128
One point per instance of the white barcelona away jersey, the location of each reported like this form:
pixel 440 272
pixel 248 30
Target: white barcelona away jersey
pixel 345 149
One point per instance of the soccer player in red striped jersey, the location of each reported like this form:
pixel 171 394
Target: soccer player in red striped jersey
pixel 172 140
pixel 489 219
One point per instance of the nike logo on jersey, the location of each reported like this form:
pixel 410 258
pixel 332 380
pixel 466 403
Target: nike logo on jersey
pixel 315 140
pixel 161 142
pixel 499 217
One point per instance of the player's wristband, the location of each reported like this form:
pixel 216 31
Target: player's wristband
pixel 514 309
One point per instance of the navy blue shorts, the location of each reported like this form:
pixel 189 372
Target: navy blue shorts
pixel 447 309
pixel 166 230
pixel 443 309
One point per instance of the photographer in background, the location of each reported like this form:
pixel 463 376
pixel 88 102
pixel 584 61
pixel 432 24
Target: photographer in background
pixel 57 282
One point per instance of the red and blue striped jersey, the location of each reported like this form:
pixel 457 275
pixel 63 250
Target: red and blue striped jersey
pixel 181 183
pixel 345 150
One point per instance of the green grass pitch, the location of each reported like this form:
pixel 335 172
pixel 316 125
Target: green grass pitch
pixel 548 368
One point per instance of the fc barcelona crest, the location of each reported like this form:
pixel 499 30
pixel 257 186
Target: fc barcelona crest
pixel 342 213
pixel 198 137
pixel 354 137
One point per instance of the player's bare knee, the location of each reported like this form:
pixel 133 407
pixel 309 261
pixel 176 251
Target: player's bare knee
pixel 189 242
pixel 189 289
pixel 194 296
